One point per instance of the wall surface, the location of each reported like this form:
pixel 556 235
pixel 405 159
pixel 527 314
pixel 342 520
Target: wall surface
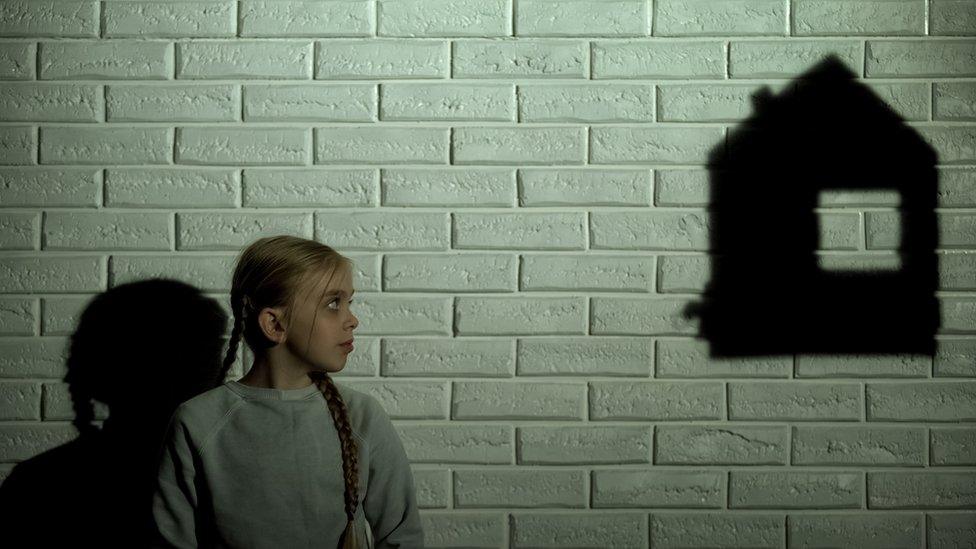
pixel 523 186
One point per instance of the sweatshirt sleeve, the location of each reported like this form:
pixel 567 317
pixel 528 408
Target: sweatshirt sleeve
pixel 175 500
pixel 390 503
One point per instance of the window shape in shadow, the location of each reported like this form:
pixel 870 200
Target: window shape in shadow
pixel 771 292
pixel 139 349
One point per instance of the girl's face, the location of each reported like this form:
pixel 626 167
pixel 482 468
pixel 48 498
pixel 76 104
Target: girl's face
pixel 322 322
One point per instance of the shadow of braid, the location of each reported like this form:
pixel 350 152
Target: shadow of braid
pixel 350 451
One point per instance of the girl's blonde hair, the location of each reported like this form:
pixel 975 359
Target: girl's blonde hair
pixel 269 273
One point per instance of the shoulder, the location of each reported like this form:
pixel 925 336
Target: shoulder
pixel 203 413
pixel 367 417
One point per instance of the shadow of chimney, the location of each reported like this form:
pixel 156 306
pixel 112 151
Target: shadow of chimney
pixel 826 140
pixel 139 350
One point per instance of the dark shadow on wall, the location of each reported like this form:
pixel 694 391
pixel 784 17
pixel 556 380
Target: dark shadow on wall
pixel 826 140
pixel 140 349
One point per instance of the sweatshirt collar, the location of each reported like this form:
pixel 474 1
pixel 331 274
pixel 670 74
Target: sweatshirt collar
pixel 267 393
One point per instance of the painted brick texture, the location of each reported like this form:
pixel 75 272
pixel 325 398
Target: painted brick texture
pixel 526 189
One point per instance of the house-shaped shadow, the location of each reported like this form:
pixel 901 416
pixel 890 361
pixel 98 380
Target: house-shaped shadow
pixel 826 140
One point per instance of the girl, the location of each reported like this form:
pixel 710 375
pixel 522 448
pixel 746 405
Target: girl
pixel 256 462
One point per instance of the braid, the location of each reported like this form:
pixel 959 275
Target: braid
pixel 235 337
pixel 350 454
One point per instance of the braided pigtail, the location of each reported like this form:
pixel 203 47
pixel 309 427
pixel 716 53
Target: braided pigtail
pixel 239 306
pixel 350 456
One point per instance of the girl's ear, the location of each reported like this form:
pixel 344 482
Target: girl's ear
pixel 271 322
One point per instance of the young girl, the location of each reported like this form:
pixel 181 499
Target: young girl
pixel 285 457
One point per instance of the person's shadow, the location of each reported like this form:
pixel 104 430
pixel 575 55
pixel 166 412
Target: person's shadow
pixel 140 349
pixel 827 140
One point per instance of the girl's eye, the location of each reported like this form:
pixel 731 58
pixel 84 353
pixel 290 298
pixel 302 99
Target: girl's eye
pixel 336 300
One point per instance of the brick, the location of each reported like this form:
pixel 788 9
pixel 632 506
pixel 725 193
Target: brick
pixel 387 59
pixel 233 146
pixel 838 231
pixel 398 315
pixel 589 356
pixel 448 187
pixel 19 230
pixel 910 101
pixel 650 230
pixel 863 530
pixel 233 231
pixel 113 59
pixel 581 18
pixel 408 399
pixel 955 357
pixel 20 400
pixel 464 529
pixel 705 103
pixel 313 19
pixel 858 445
pixel 642 145
pixel 853 365
pixel 19 442
pixel 929 401
pixel 795 401
pixel 538 487
pixel 795 490
pixel 61 314
pixel 208 273
pixel 683 273
pixel 382 145
pixel 953 145
pixel 301 103
pixel 587 272
pixel 78 187
pixel 788 59
pixel 519 59
pixel 656 400
pixel 478 272
pixel 169 19
pixel 729 18
pixel 952 17
pixel 955 230
pixel 689 358
pixel 18 60
pixel 481 444
pixel 106 231
pixel 521 145
pixel 32 357
pixel 420 231
pixel 180 188
pixel 58 406
pixel 652 316
pixel 720 444
pixel 62 19
pixel 683 489
pixel 18 145
pixel 590 187
pixel 431 487
pixel 454 357
pixel 681 187
pixel 579 530
pixel 490 400
pixel 429 18
pixel 958 315
pixel 950 530
pixel 41 102
pixel 106 145
pixel 954 101
pixel 52 274
pixel 913 58
pixel 583 445
pixel 921 490
pixel 421 102
pixel 858 17
pixel 304 188
pixel 953 446
pixel 525 316
pixel 586 103
pixel 663 60
pixel 169 103
pixel 543 231
pixel 19 316
pixel 673 530
pixel 244 59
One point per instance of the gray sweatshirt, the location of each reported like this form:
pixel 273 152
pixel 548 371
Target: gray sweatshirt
pixel 252 467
